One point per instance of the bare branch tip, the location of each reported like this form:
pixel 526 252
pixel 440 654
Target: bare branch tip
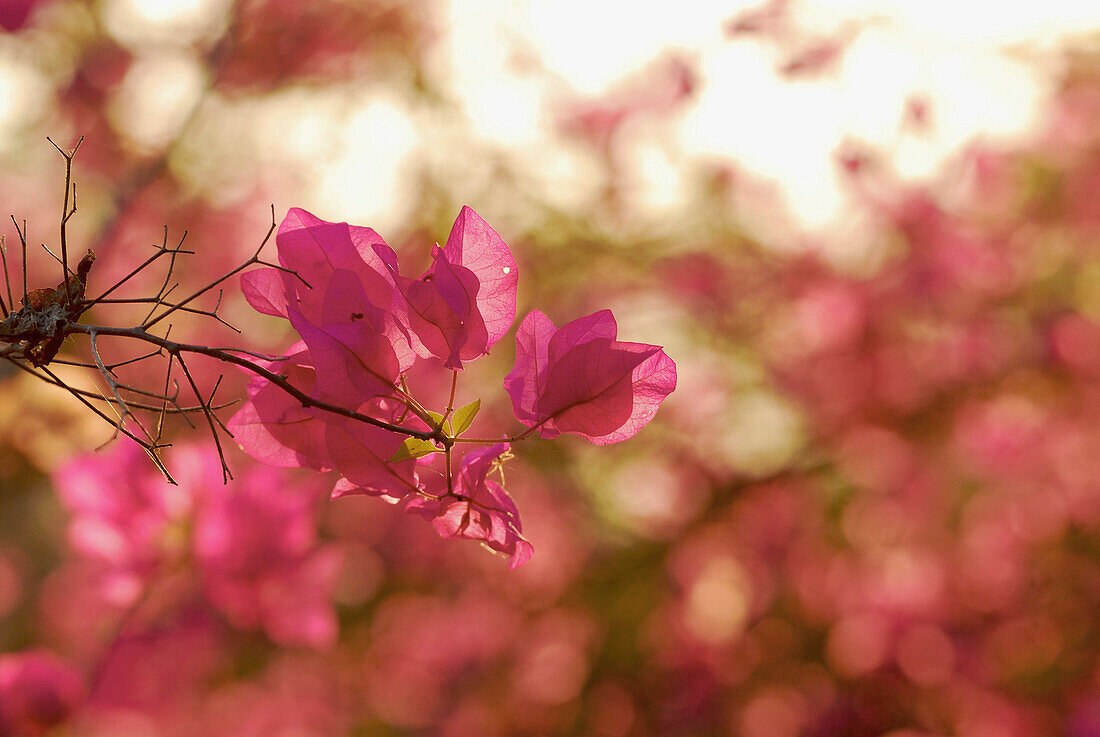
pixel 67 154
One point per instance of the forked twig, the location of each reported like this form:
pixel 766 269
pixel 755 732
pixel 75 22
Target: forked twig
pixel 34 333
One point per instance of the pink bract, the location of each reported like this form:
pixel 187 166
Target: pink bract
pixel 316 251
pixel 273 427
pixel 255 542
pixel 579 379
pixel 474 245
pixel 466 301
pixel 354 357
pixel 363 324
pixel 361 453
pixel 265 291
pixel 443 314
pixel 38 690
pixel 122 512
pixel 478 508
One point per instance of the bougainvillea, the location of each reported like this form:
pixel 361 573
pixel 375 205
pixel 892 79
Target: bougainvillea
pixel 870 508
pixel 251 545
pixel 579 379
pixel 38 691
pixel 364 325
pixel 339 398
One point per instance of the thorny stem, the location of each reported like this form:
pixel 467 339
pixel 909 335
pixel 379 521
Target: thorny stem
pixel 66 213
pixel 7 278
pixel 254 259
pixel 449 441
pixel 225 356
pixel 514 439
pixel 174 409
pixel 23 246
pixel 21 342
pixel 161 251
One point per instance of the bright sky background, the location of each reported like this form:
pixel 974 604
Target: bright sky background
pixel 953 53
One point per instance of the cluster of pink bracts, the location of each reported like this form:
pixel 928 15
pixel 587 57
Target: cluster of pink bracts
pixel 364 325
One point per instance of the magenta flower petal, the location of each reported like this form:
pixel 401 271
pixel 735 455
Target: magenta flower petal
pixel 264 290
pixel 637 378
pixel 579 379
pixel 442 311
pixel 343 487
pixel 526 381
pixel 316 250
pixel 462 306
pixel 478 508
pixel 590 327
pixel 466 301
pixel 361 454
pixel 475 467
pixel 273 427
pixel 355 359
pixel 474 245
pixel 588 390
pixel 38 691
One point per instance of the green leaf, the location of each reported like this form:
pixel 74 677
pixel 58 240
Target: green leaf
pixel 464 417
pixel 436 417
pixel 413 448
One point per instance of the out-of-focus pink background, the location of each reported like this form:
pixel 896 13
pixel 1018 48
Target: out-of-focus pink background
pixel 868 233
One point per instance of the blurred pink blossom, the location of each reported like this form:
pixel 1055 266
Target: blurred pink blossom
pixel 38 691
pixel 255 543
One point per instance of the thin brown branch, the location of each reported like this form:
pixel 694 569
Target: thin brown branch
pixel 254 259
pixel 51 315
pixel 514 439
pixel 210 400
pixel 110 366
pixel 23 246
pixel 162 250
pixel 208 413
pixel 164 290
pixel 226 356
pixel 174 410
pixel 66 211
pixel 149 448
pixel 4 254
pixel 113 385
pixel 53 255
pixel 157 303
